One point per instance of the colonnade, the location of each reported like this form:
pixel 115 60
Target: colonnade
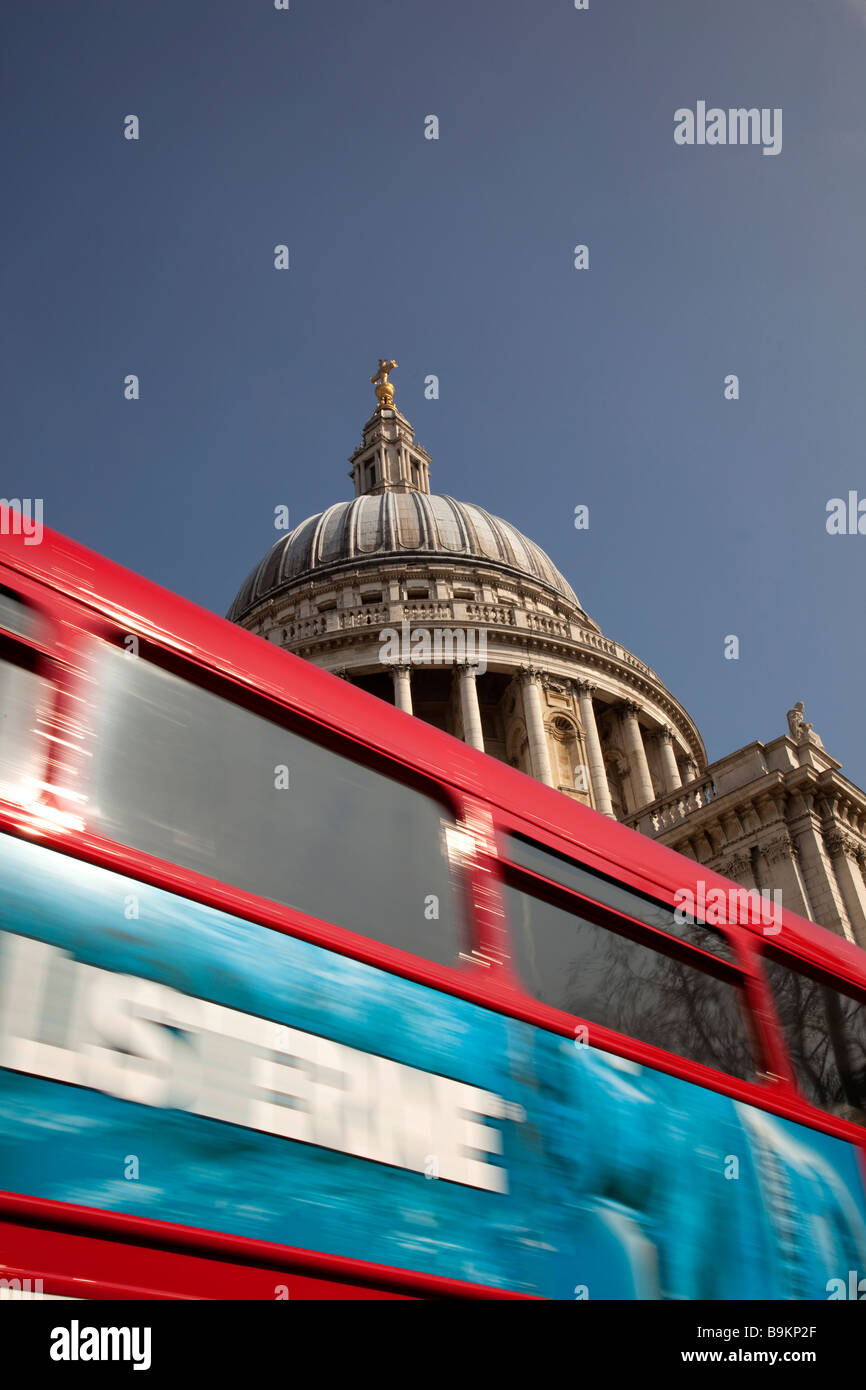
pixel 634 736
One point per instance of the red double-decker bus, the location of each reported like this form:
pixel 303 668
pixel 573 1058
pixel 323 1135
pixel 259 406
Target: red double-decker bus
pixel 301 997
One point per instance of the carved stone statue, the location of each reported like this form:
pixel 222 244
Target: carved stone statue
pixel 800 730
pixel 384 387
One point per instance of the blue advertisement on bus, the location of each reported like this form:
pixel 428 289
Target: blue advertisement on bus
pixel 166 1060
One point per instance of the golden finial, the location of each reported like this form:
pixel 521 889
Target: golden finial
pixel 384 388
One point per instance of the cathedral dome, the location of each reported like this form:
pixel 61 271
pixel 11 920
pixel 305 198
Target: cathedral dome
pixel 492 644
pixel 401 526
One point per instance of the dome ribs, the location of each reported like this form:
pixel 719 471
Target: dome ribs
pixel 420 524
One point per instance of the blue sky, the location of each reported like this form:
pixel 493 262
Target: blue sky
pixel 557 386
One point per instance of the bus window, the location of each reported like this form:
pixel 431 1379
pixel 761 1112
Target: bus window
pixel 192 778
pixel 609 979
pixel 21 692
pixel 826 1036
pixel 590 884
pixel 15 616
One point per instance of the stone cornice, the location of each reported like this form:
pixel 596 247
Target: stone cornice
pixel 783 802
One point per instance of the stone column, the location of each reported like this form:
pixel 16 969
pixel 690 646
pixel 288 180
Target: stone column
pixel 469 707
pixel 670 771
pixel 595 757
pixel 846 857
pixel 638 765
pixel 534 717
pixel 828 904
pixel 402 687
pixel 778 859
pixel 691 769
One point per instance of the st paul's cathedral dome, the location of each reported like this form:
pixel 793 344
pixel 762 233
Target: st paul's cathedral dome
pixel 549 693
pixel 511 663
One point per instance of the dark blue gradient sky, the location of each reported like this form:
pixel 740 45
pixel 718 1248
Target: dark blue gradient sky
pixel 558 387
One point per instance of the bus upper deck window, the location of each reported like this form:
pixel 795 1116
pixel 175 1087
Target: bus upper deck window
pixel 825 1031
pixel 15 616
pixel 194 779
pixel 22 693
pixel 619 897
pixel 623 984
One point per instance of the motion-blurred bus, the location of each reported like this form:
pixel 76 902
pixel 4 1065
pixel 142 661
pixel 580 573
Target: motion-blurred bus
pixel 301 997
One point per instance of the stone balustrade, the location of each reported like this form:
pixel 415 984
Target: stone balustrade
pixel 491 613
pixel 594 640
pixel 554 627
pixel 420 610
pixel 670 810
pixel 366 615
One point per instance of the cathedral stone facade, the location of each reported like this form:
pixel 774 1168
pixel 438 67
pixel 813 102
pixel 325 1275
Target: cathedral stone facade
pixel 453 615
